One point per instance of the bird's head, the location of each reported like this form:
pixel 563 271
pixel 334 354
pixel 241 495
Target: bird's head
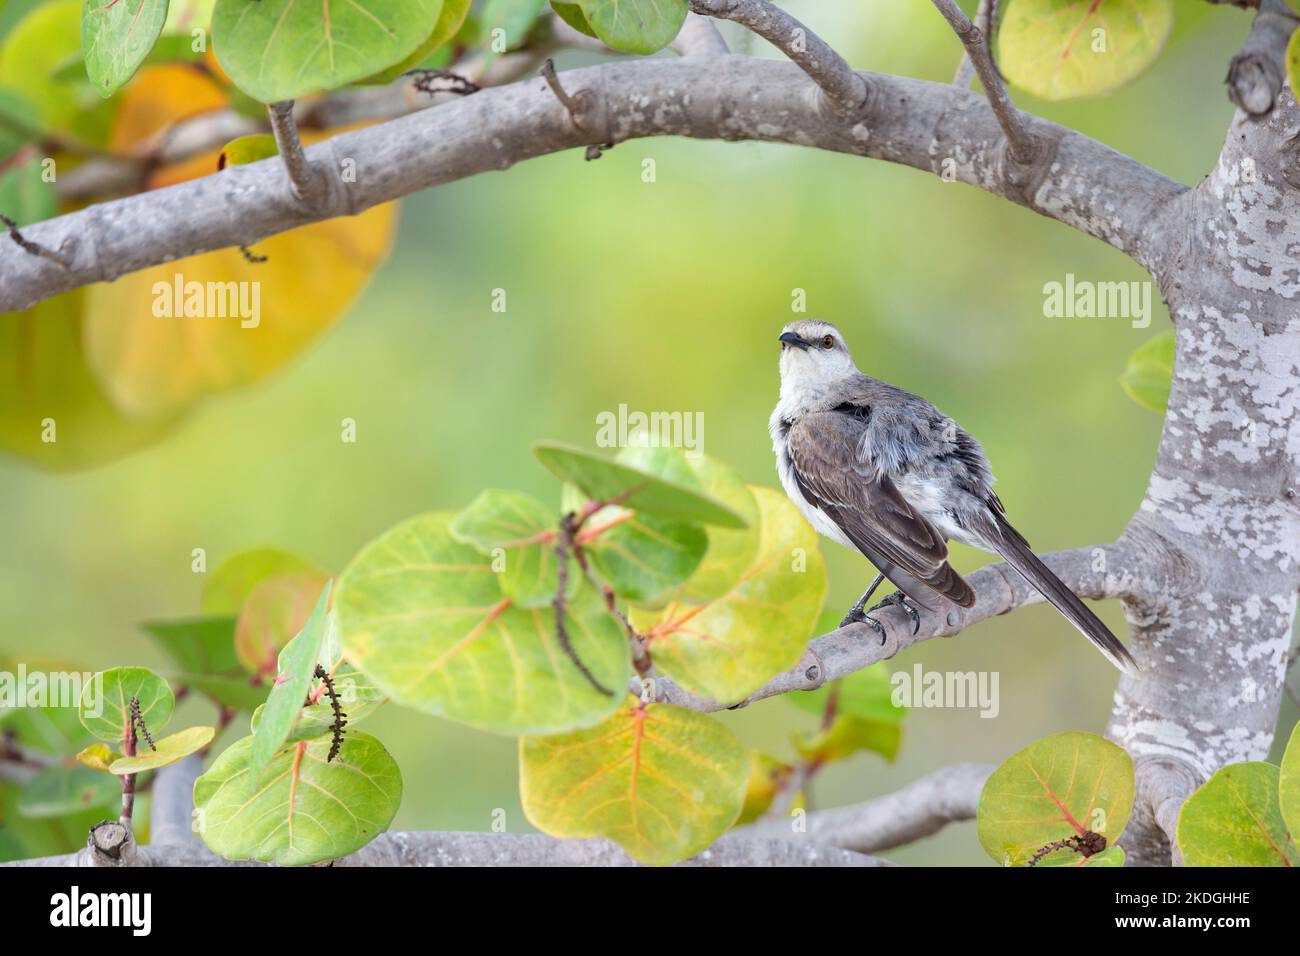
pixel 813 356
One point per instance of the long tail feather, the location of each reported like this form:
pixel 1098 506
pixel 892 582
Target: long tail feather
pixel 1015 551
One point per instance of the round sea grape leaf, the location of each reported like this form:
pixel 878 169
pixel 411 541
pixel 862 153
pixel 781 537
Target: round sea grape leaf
pixel 641 556
pixel 1065 49
pixel 1149 372
pixel 602 479
pixel 276 609
pixel 571 13
pixel 227 588
pixel 731 550
pixel 280 50
pixel 635 26
pixel 167 750
pixel 203 645
pixel 116 37
pixel 662 782
pixel 524 530
pixel 1288 789
pixel 1056 788
pixel 295 669
pixel 423 616
pixel 450 20
pixel 309 810
pixel 58 791
pixel 105 708
pixel 1235 819
pixel 728 647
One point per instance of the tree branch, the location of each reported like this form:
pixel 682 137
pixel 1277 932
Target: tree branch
pixel 699 37
pixel 1105 571
pixel 1020 143
pixel 920 809
pixel 493 849
pixel 928 126
pixel 984 20
pixel 846 89
pixel 1257 72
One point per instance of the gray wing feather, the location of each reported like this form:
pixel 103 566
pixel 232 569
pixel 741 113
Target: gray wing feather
pixel 868 507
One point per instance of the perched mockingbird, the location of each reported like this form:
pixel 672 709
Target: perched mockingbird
pixel 883 471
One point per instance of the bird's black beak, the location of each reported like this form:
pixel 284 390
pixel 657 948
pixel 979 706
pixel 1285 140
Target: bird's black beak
pixel 792 340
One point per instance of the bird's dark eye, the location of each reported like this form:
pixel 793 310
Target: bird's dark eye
pixel 828 341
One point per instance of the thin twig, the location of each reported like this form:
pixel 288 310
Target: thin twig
pixel 846 88
pixel 1019 143
pixel 303 177
pixel 565 544
pixel 984 20
pixel 34 248
pixel 571 103
pixel 128 779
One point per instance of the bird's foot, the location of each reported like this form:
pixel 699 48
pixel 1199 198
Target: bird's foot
pixel 898 598
pixel 857 615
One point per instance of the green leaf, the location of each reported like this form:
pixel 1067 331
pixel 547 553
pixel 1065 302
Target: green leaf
pixel 726 648
pixel 848 735
pixel 1064 49
pixel 311 810
pixel 204 645
pixel 1234 819
pixel 169 750
pixel 297 664
pixel 236 691
pixel 1054 789
pixel 280 49
pixel 276 610
pixel 57 791
pixel 16 127
pixel 604 480
pixel 635 26
pixel 1288 788
pixel 1150 370
pixel 247 149
pixel 662 782
pixel 731 550
pixel 25 196
pixel 524 530
pixel 640 556
pixel 450 20
pixel 423 616
pixel 116 36
pixel 98 757
pixel 571 13
pixel 227 588
pixel 514 17
pixel 106 708
pixel 767 775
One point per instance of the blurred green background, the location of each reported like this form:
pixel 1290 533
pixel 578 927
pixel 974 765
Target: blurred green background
pixel 664 296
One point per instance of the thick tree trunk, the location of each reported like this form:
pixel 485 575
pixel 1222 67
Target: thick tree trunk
pixel 1219 528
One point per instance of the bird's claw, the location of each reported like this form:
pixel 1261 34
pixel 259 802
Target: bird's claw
pixel 858 616
pixel 898 598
